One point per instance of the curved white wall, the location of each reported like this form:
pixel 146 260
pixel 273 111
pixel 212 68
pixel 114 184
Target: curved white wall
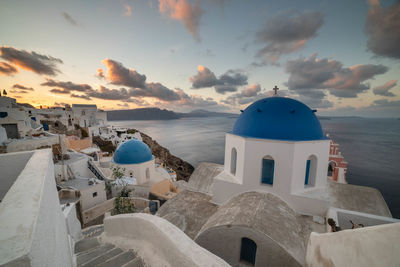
pixel 157 241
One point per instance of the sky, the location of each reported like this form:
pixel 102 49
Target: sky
pixel 339 57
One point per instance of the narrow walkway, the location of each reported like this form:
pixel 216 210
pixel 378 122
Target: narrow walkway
pixel 90 252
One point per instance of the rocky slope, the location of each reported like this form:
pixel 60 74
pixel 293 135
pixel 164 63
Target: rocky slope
pixel 182 168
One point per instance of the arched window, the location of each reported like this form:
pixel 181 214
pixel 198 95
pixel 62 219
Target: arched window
pixel 331 167
pixel 311 171
pixel 233 160
pixel 147 173
pixel 267 172
pixel 248 251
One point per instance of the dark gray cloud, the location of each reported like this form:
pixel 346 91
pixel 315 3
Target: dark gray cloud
pixel 120 75
pixel 69 19
pixel 314 99
pixel 80 96
pixel 110 94
pixel 40 64
pixel 67 86
pixel 384 89
pixel 227 82
pixel 159 91
pixel 316 74
pixel 386 103
pixel 222 89
pixel 287 33
pixel 7 69
pixel 204 78
pixel 19 86
pixel 383 29
pixel 58 91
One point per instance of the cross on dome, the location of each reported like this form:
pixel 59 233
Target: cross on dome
pixel 275 89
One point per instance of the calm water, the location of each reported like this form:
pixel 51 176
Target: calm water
pixel 370 146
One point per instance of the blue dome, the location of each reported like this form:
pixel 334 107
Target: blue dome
pixel 132 152
pixel 279 118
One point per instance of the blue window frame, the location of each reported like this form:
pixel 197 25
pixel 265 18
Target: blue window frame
pixel 267 176
pixel 307 172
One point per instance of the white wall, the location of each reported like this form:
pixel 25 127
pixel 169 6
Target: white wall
pixel 33 229
pixel 290 160
pixel 87 199
pixel 139 171
pixel 3 135
pixel 369 246
pixel 157 241
pixel 32 143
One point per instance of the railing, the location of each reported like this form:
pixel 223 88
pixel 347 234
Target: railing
pixel 95 171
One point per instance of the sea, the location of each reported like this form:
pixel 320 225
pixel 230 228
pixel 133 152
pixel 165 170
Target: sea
pixel 371 146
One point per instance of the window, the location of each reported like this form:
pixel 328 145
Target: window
pixel 248 251
pixel 311 171
pixel 83 112
pixel 147 173
pixel 331 167
pixel 307 172
pixel 95 194
pixel 233 160
pixel 131 174
pixel 267 173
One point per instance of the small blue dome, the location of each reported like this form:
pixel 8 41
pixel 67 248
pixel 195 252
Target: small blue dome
pixel 279 118
pixel 132 152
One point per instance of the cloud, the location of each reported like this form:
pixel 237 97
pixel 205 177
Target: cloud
pixel 59 91
pixel 69 19
pixel 80 96
pixel 67 86
pixel 100 74
pixel 191 102
pixel 204 78
pixel 40 64
pixel 119 75
pixel 60 104
pixel 19 86
pixel 7 69
pixel 287 33
pixel 185 12
pixel 18 91
pixel 316 74
pixel 110 94
pixel 127 10
pixel 21 89
pixel 384 89
pixel 227 82
pixel 383 29
pixel 159 91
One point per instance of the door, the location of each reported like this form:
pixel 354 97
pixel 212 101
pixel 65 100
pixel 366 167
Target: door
pixel 11 130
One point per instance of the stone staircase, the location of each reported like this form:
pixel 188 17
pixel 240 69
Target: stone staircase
pixel 91 252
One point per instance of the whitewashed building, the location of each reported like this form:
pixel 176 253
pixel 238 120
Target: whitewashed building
pixel 135 160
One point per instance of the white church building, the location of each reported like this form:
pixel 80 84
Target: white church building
pixel 277 145
pixel 135 160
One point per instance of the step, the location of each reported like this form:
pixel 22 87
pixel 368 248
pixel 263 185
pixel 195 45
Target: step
pixel 103 258
pixel 137 262
pixel 85 257
pixel 119 260
pixel 93 231
pixel 86 244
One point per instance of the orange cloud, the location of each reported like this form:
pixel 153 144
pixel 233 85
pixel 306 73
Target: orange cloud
pixel 128 10
pixel 183 11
